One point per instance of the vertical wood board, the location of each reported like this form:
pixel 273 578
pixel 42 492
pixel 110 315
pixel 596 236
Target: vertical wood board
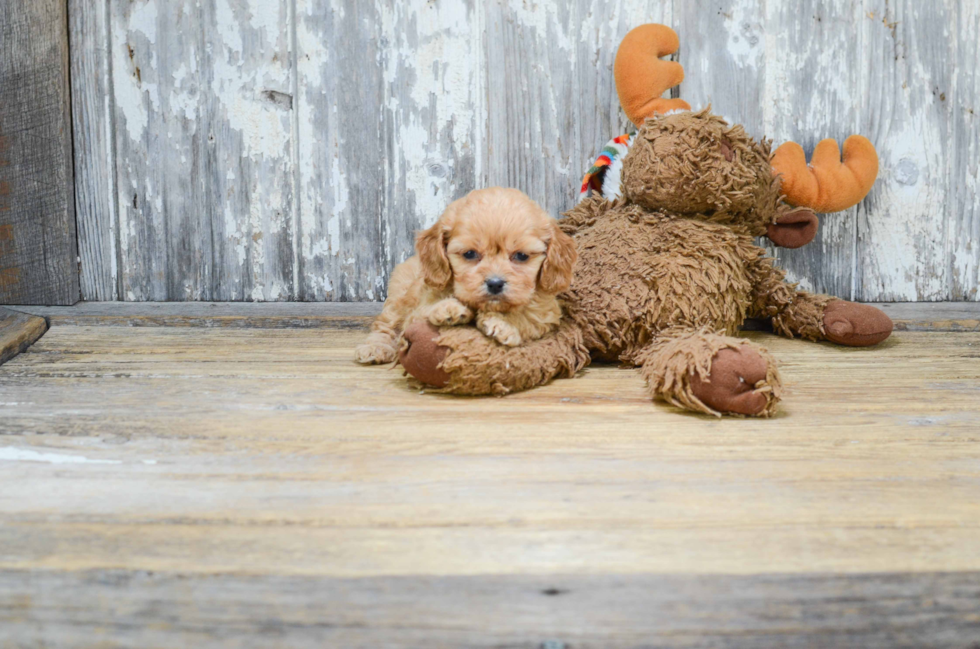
pixel 810 95
pixel 902 235
pixel 247 150
pixel 552 100
pixel 963 162
pixel 94 154
pixel 389 117
pixel 203 143
pixel 38 253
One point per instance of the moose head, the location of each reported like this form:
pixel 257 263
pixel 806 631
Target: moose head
pixel 696 163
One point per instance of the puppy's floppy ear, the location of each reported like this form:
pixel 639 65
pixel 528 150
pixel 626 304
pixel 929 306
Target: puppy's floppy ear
pixel 431 247
pixel 556 271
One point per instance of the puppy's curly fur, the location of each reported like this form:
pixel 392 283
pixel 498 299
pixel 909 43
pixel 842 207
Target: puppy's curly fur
pixel 494 257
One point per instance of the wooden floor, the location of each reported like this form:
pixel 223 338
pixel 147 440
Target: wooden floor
pixel 180 486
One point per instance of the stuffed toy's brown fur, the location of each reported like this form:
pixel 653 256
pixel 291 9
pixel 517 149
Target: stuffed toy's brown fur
pixel 668 272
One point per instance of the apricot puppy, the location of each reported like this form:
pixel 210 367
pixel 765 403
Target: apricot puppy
pixel 494 256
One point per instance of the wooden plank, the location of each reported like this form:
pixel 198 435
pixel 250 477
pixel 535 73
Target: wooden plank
pixel 37 216
pixel 93 132
pixel 906 69
pixel 251 163
pixel 163 197
pixel 18 331
pixel 907 316
pixel 383 149
pixel 808 98
pixel 283 432
pixel 434 115
pixel 249 486
pixel 552 103
pixel 963 244
pixel 341 144
pixel 325 196
pixel 723 51
pixel 566 610
pixel 934 316
pixel 258 315
pixel 203 144
pixel 767 68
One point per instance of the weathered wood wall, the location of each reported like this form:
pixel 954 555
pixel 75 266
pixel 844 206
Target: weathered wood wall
pixel 38 257
pixel 287 149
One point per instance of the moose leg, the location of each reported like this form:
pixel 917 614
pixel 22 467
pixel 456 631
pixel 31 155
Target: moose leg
pixel 813 316
pixel 711 373
pixel 461 360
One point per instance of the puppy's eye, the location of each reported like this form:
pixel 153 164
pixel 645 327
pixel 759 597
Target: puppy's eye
pixel 520 256
pixel 471 255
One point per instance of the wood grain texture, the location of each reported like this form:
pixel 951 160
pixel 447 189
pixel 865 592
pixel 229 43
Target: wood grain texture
pixel 963 162
pixel 299 167
pixel 341 209
pixel 907 316
pixel 552 99
pixel 389 121
pixel 93 132
pixel 251 315
pixel 241 483
pixel 203 137
pixel 902 237
pixel 38 252
pixel 18 331
pixel 140 609
pixel 811 94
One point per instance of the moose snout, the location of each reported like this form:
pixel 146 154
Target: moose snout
pixel 495 285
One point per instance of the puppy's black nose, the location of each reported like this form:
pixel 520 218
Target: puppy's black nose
pixel 495 285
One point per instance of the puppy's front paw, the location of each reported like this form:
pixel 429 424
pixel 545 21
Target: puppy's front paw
pixel 500 330
pixel 374 354
pixel 450 313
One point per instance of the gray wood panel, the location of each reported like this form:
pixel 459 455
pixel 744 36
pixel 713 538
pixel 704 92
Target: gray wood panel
pixel 165 195
pixel 341 210
pixel 95 168
pixel 901 246
pixel 552 99
pixel 434 115
pixel 143 608
pixel 251 160
pixel 203 143
pixel 907 316
pixel 390 131
pixel 263 155
pixel 963 162
pixel 811 93
pixel 723 53
pixel 38 253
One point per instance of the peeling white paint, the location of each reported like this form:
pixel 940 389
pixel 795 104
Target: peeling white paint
pixel 143 19
pixel 452 116
pixel 11 454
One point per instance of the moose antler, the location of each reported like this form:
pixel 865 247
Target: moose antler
pixel 827 184
pixel 641 77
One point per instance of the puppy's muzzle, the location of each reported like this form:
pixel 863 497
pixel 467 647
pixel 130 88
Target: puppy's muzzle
pixel 495 285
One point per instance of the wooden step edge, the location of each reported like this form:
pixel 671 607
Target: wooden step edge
pixel 18 331
pixel 907 316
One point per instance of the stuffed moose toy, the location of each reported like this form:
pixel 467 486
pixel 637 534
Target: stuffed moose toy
pixel 668 270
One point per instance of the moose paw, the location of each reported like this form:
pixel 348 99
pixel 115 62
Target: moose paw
pixel 736 383
pixel 421 356
pixel 855 325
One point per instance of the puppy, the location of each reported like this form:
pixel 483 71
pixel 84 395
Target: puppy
pixel 493 256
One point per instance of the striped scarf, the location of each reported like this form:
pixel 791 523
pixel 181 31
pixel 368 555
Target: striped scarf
pixel 603 178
